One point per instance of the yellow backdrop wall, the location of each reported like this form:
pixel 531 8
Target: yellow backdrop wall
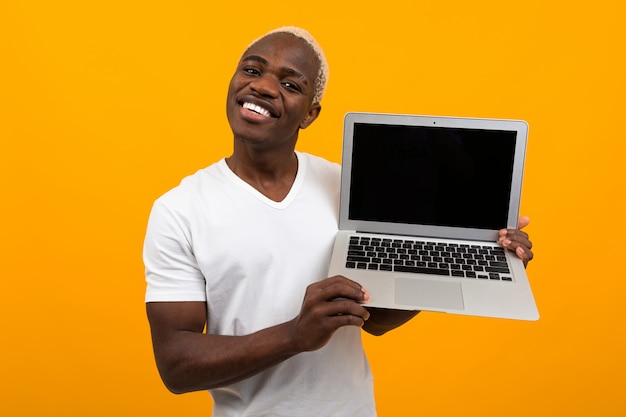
pixel 105 105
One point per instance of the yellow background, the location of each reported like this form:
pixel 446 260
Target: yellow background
pixel 105 105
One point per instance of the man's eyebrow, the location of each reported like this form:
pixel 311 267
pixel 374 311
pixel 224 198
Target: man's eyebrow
pixel 255 58
pixel 295 73
pixel 286 70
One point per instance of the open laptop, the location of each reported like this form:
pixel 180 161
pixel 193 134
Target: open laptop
pixel 422 200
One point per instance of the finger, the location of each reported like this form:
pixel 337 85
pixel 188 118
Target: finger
pixel 339 279
pixel 342 287
pixel 349 320
pixel 523 221
pixel 516 235
pixel 509 237
pixel 517 240
pixel 517 245
pixel 341 320
pixel 519 237
pixel 525 254
pixel 346 313
pixel 340 307
pixel 521 246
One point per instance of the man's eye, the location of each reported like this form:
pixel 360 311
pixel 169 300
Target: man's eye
pixel 291 86
pixel 252 71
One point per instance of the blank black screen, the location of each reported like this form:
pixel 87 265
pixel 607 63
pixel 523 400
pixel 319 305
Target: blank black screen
pixel 431 175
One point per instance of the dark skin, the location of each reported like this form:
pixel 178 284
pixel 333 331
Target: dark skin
pixel 270 99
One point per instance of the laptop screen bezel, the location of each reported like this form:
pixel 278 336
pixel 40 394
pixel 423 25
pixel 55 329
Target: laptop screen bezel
pixel 352 118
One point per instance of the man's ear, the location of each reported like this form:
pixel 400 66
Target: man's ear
pixel 314 111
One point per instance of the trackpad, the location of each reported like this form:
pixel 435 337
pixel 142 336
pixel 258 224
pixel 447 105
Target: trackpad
pixel 429 293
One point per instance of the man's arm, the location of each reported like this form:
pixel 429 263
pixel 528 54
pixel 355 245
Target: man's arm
pixel 190 360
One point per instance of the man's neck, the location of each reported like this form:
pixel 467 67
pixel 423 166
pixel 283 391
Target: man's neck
pixel 271 174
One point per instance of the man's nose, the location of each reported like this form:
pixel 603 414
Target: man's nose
pixel 266 85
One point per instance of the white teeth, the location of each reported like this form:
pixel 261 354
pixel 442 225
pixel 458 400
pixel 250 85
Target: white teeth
pixel 256 109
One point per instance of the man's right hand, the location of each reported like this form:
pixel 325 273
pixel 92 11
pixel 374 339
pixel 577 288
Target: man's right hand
pixel 328 305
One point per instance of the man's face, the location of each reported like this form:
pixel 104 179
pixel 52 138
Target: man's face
pixel 270 94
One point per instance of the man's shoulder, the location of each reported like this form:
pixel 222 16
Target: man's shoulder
pixel 192 186
pixel 320 164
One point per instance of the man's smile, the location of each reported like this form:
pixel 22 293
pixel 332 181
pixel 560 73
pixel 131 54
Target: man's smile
pixel 257 109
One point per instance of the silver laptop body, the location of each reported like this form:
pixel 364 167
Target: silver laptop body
pixel 422 200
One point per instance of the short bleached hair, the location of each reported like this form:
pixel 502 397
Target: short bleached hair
pixel 322 74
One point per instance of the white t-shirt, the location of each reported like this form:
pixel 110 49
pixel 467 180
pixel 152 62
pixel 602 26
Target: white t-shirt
pixel 215 238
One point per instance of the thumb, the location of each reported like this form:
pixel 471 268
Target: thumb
pixel 523 221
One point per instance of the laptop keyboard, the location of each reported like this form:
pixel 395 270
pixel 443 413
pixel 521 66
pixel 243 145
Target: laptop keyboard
pixel 436 258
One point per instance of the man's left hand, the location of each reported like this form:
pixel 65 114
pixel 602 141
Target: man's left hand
pixel 517 240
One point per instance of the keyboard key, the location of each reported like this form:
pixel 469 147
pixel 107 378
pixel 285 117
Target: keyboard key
pixel 495 269
pixel 419 270
pixel 358 259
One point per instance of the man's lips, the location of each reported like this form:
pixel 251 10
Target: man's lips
pixel 255 108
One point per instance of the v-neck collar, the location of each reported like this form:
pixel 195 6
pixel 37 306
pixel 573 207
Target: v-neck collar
pixel 293 192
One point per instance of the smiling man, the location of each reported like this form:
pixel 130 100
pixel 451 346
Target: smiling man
pixel 271 96
pixel 236 258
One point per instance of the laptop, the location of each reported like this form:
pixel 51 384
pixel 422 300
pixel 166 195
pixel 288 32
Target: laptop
pixel 422 201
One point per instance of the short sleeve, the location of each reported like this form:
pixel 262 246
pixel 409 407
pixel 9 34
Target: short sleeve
pixel 172 273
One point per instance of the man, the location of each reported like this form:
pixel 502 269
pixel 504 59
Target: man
pixel 242 248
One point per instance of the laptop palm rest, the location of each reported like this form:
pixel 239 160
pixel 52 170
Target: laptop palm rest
pixel 429 293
